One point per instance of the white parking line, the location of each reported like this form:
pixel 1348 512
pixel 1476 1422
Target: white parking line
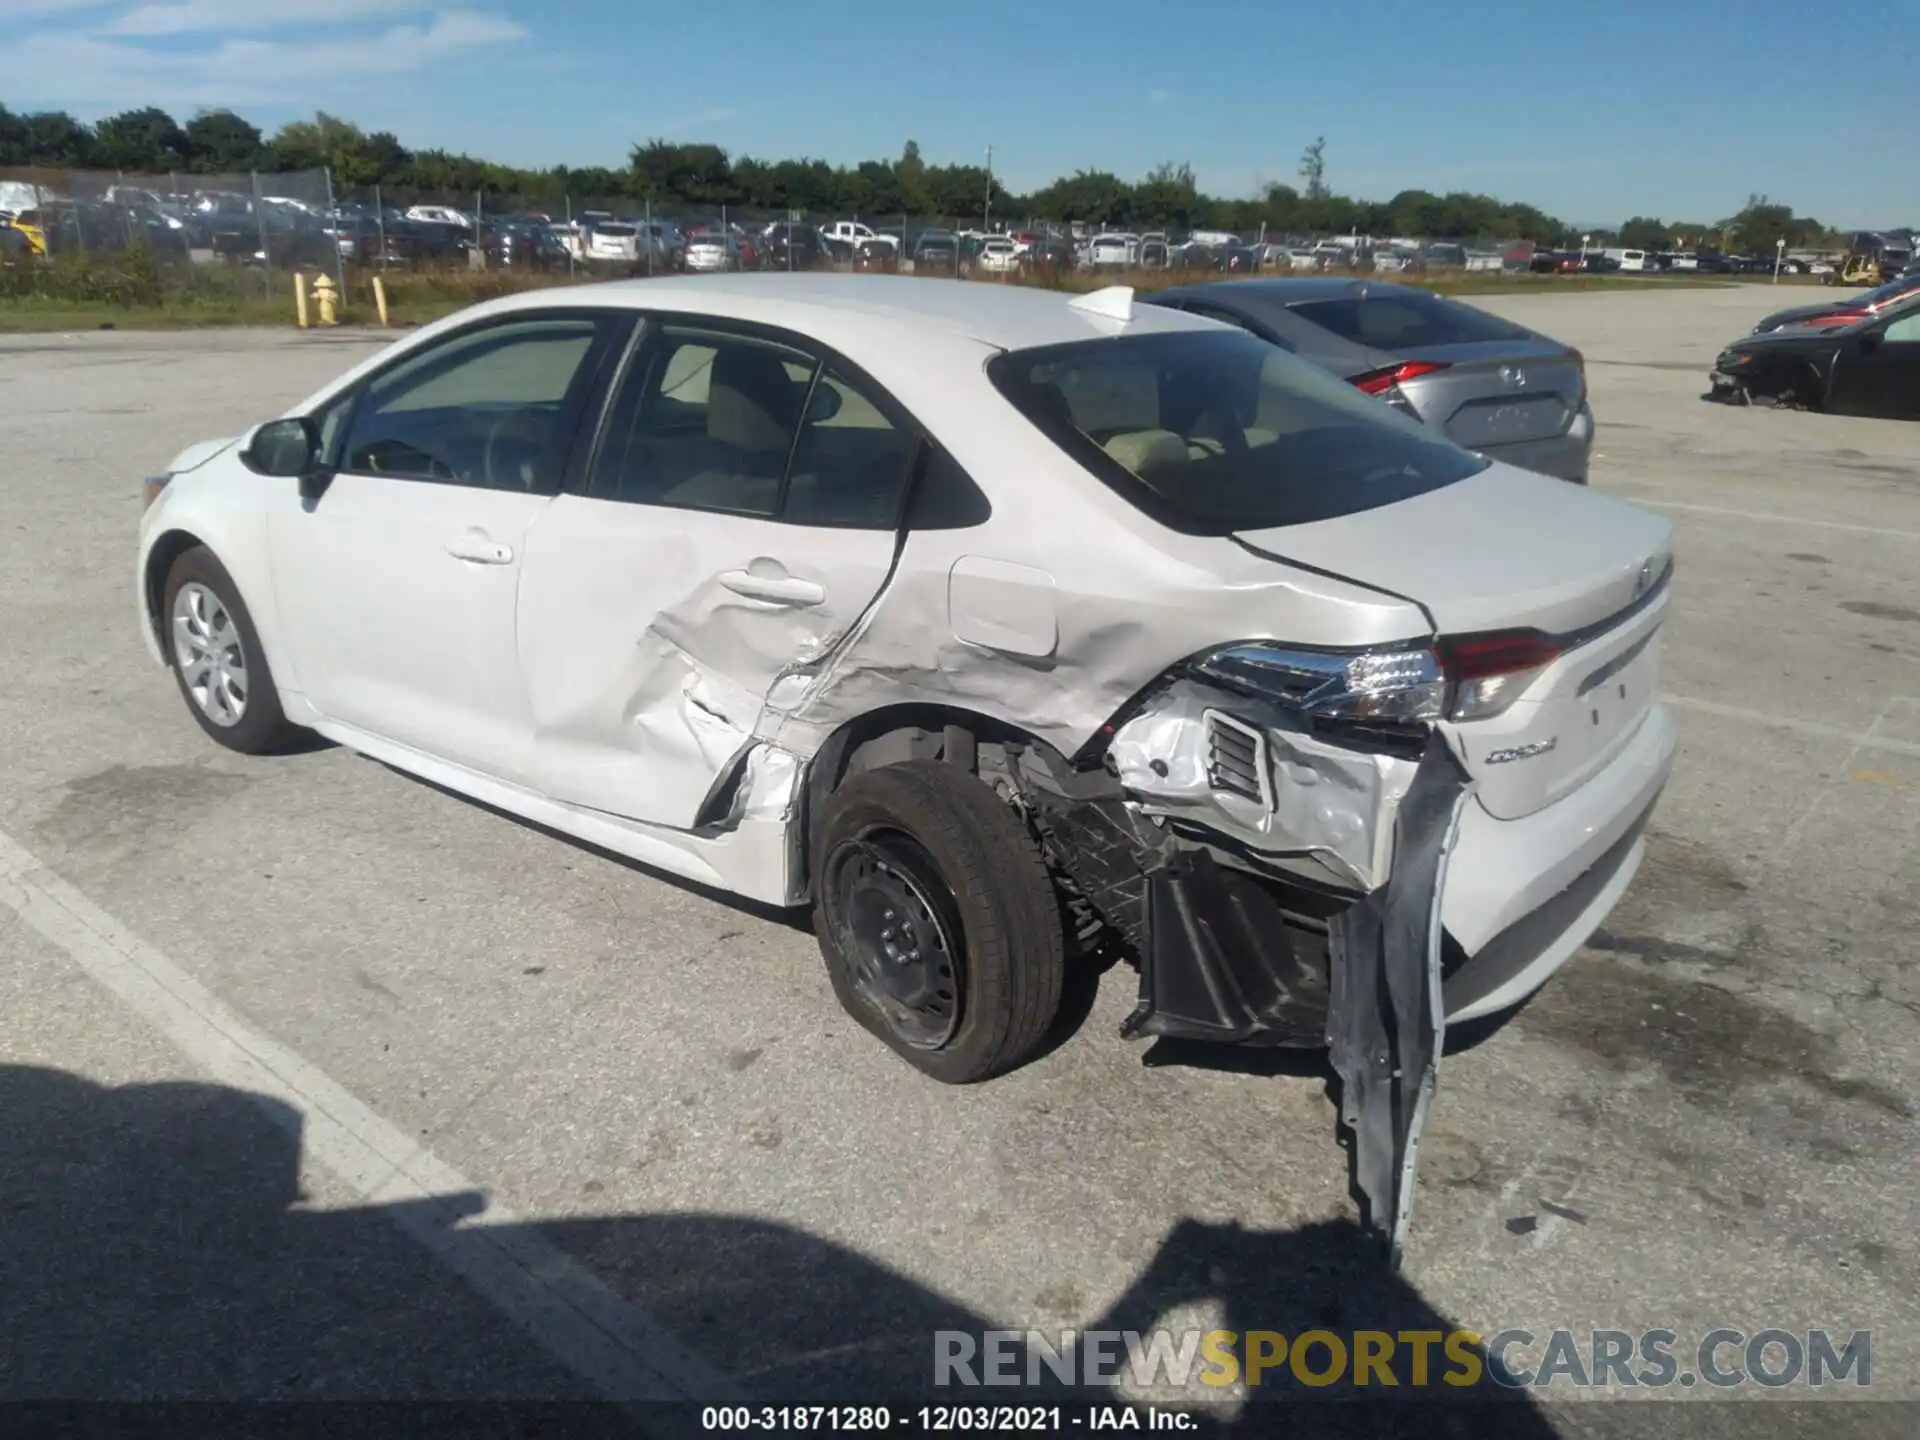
pixel 1774 519
pixel 623 1352
pixel 1858 739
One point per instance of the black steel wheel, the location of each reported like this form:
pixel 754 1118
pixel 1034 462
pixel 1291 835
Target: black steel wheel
pixel 900 930
pixel 937 920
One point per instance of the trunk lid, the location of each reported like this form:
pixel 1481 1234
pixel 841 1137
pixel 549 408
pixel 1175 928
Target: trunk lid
pixel 1508 550
pixel 1496 392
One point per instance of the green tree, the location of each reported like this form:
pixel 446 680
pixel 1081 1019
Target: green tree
pixel 220 142
pixel 354 157
pixel 148 140
pixel 695 174
pixel 1760 225
pixel 1643 232
pixel 1313 169
pixel 910 177
pixel 13 138
pixel 54 137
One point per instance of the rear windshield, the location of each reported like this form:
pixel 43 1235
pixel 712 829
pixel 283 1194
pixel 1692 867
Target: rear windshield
pixel 1405 320
pixel 616 230
pixel 1216 431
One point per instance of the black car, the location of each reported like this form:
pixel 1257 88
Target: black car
pixel 1843 312
pixel 936 252
pixel 1871 367
pixel 791 246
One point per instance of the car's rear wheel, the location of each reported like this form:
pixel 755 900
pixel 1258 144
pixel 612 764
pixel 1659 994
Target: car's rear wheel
pixel 217 659
pixel 937 920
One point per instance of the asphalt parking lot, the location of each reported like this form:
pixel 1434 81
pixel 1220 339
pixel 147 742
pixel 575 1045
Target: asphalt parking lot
pixel 675 1163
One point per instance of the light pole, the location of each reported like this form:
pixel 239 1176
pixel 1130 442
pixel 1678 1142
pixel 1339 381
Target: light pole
pixel 1779 253
pixel 986 203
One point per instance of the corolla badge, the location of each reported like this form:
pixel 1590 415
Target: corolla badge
pixel 1521 752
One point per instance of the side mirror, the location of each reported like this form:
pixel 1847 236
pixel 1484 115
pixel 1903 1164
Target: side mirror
pixel 284 448
pixel 824 405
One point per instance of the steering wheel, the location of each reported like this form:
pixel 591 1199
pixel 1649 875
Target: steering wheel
pixel 510 430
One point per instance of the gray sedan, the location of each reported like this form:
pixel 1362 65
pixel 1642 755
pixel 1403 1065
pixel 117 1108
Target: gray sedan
pixel 1487 384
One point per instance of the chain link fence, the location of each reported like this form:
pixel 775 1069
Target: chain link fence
pixel 222 229
pixel 265 224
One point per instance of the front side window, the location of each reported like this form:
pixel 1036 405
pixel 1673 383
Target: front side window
pixel 1904 330
pixel 493 408
pixel 1216 431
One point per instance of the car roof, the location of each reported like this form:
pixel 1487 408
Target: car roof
pixel 838 308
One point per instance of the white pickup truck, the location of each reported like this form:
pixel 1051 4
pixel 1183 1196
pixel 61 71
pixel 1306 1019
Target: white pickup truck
pixel 851 234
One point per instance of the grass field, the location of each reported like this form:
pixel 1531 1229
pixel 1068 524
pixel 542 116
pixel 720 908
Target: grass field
pixel 96 295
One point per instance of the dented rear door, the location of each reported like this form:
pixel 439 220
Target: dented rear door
pixel 657 614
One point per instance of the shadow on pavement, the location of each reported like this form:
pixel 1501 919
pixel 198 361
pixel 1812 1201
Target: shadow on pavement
pixel 155 1244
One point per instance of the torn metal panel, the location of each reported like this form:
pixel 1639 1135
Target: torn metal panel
pixel 1386 1021
pixel 1253 772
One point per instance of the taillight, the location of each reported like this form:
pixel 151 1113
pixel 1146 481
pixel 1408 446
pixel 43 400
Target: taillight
pixel 1580 367
pixel 1489 671
pixel 1378 382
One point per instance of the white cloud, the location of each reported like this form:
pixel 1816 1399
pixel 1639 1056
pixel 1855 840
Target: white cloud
pixel 225 17
pixel 91 67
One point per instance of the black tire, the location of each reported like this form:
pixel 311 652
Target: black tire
pixel 991 928
pixel 1807 389
pixel 262 727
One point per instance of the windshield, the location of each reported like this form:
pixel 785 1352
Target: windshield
pixel 1882 294
pixel 1406 319
pixel 1216 431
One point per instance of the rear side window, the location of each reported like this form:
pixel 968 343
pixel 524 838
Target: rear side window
pixel 1217 431
pixel 704 422
pixel 1406 321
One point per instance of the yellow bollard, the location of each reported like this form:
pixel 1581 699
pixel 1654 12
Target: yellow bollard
pixel 300 299
pixel 380 299
pixel 326 295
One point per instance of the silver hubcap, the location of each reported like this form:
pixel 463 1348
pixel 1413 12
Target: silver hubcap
pixel 206 647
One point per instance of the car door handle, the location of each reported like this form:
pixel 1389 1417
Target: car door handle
pixel 783 589
pixel 481 549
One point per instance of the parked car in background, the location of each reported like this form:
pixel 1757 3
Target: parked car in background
pixel 1049 255
pixel 522 245
pixel 877 254
pixel 709 251
pixel 615 242
pixel 1485 383
pixel 440 215
pixel 845 237
pixel 791 245
pixel 997 257
pixel 1869 367
pixel 1110 621
pixel 937 252
pixel 1112 250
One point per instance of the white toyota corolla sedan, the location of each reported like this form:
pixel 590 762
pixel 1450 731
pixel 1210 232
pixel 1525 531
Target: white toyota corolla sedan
pixel 994 624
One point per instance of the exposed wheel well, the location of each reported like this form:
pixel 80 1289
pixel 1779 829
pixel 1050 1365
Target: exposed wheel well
pixel 167 549
pixel 894 734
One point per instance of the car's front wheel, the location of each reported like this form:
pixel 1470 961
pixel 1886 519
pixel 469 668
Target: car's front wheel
pixel 937 919
pixel 217 659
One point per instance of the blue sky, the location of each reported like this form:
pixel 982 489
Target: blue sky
pixel 1593 112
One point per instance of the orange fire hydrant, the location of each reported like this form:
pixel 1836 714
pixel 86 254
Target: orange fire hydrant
pixel 326 297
